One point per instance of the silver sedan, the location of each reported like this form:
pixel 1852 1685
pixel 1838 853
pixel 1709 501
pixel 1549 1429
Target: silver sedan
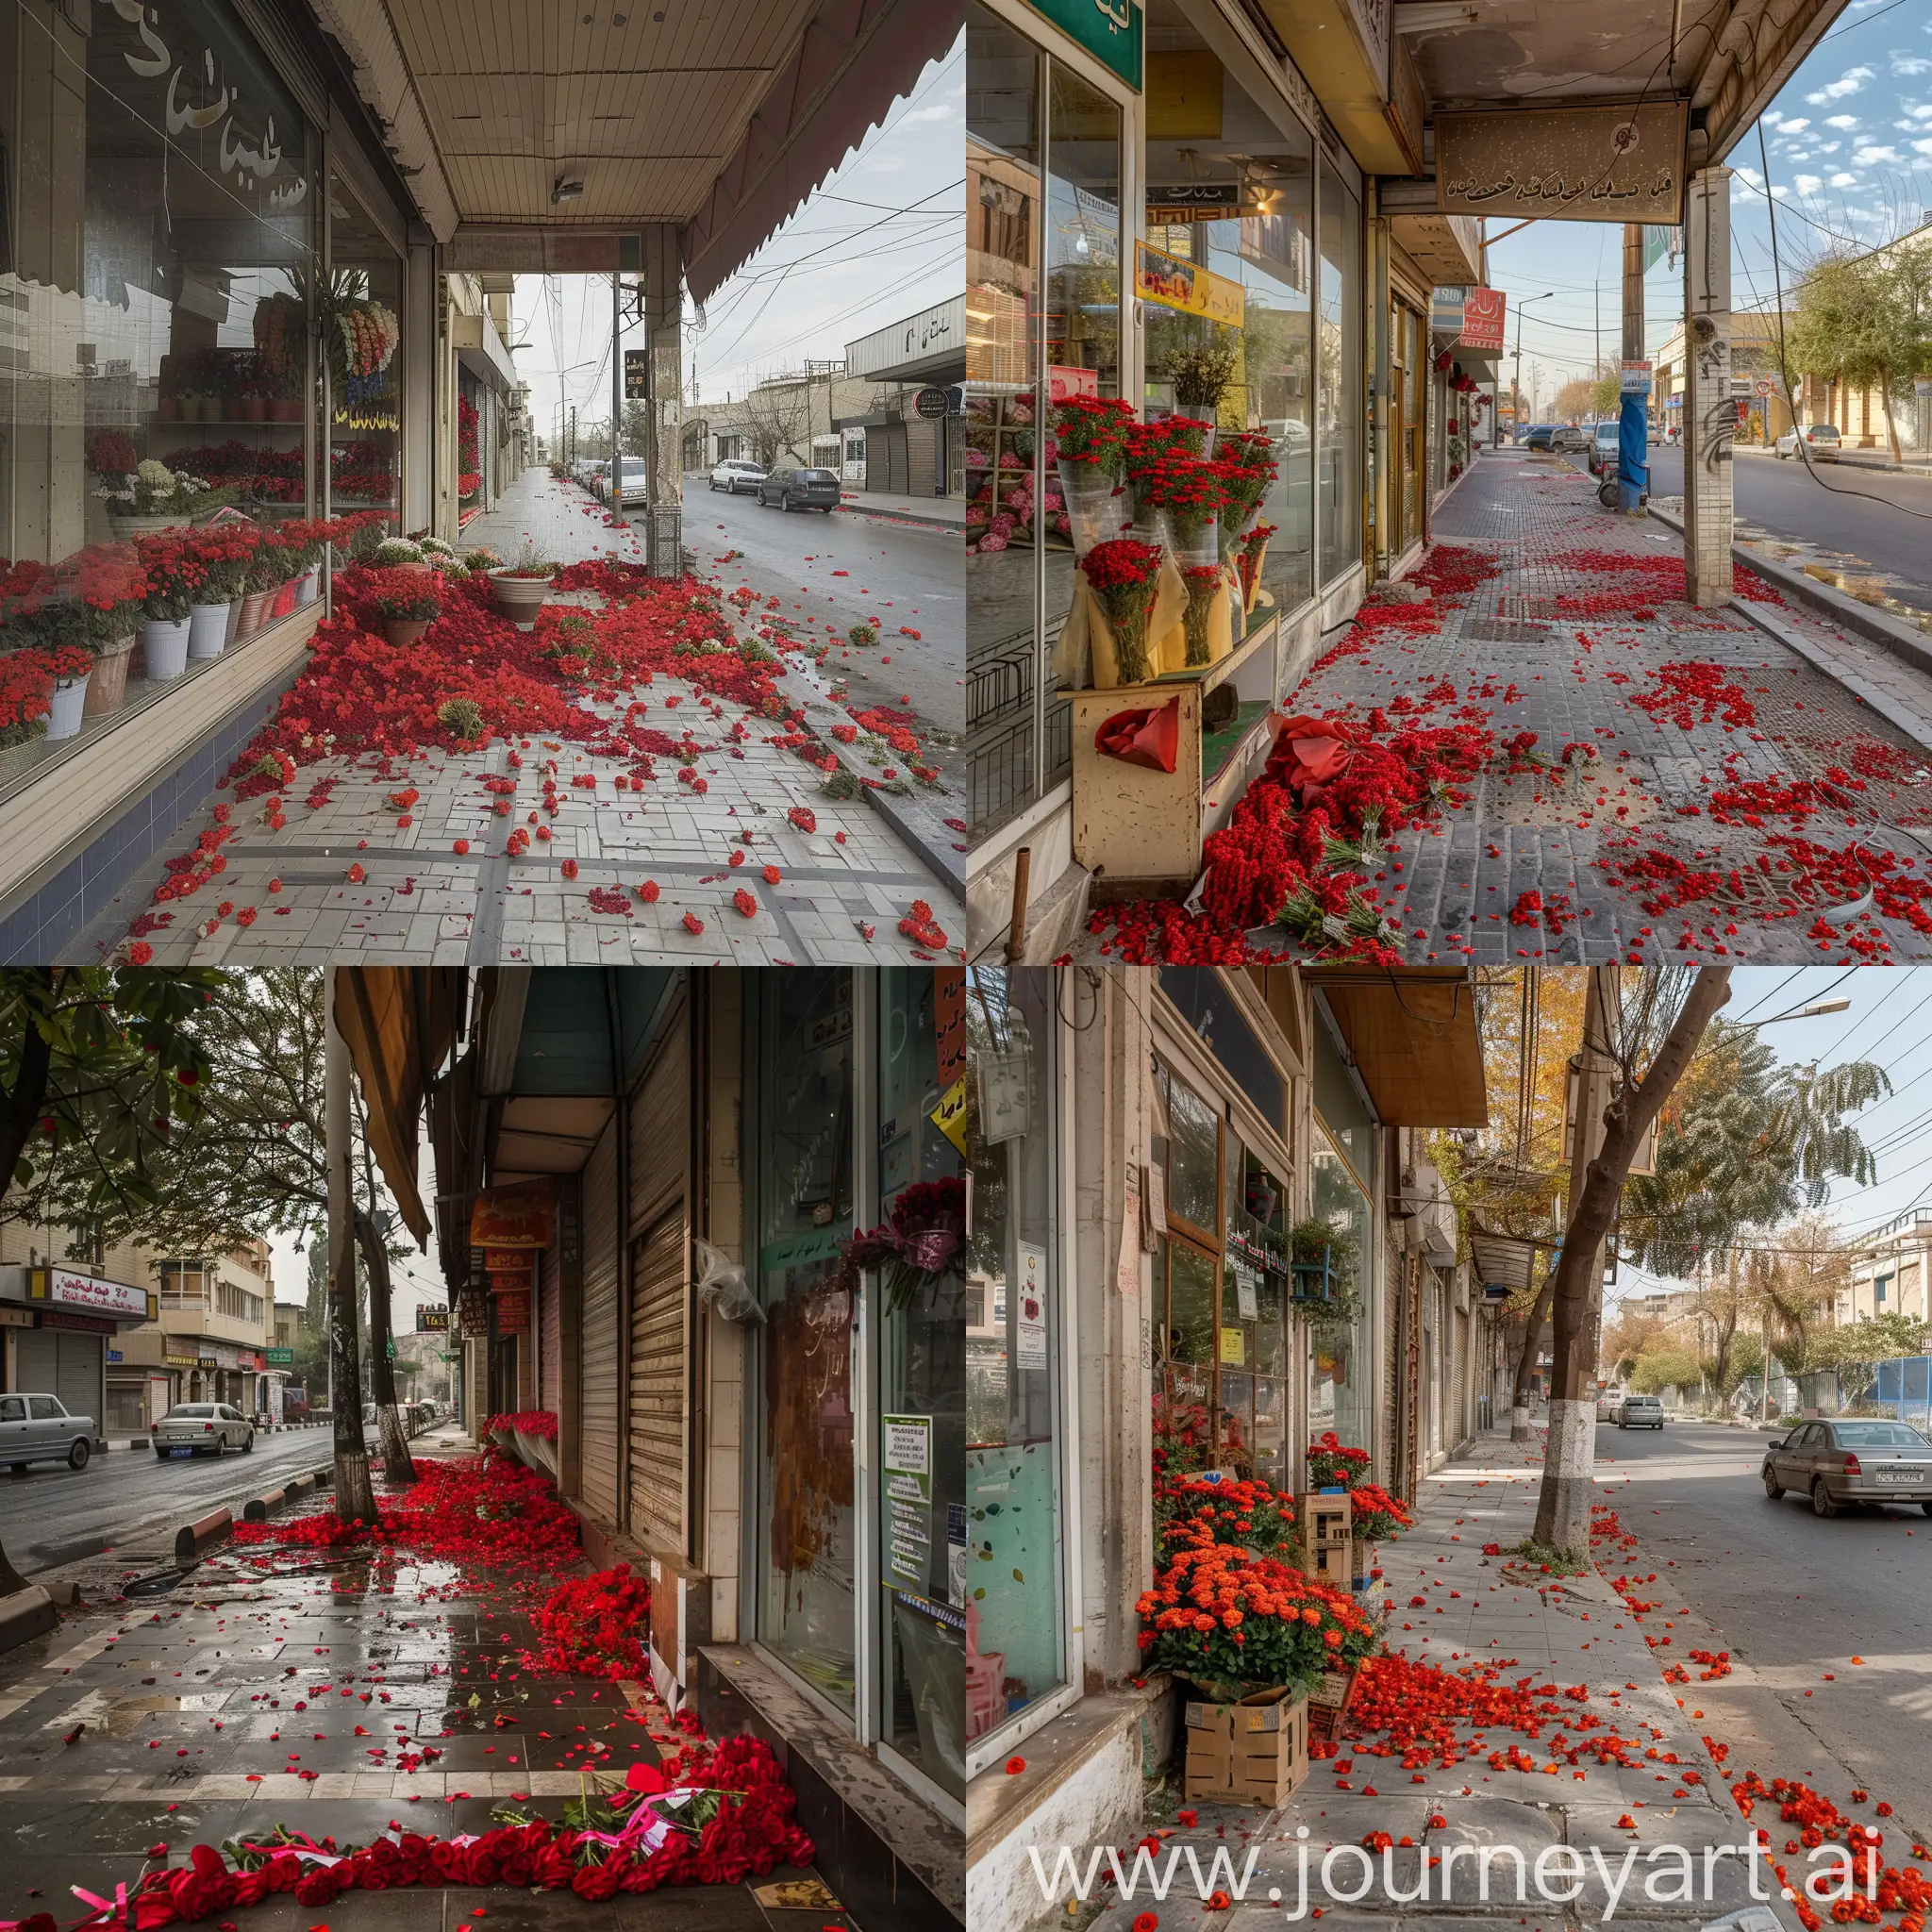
pixel 198 1428
pixel 1845 1461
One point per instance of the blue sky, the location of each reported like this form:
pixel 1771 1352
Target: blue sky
pixel 1850 144
pixel 1890 1021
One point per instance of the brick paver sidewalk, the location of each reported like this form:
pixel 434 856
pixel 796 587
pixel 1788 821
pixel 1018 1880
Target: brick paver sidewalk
pixel 1742 776
pixel 843 888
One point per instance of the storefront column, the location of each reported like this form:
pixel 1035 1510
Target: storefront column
pixel 421 397
pixel 1116 1396
pixel 664 475
pixel 1709 415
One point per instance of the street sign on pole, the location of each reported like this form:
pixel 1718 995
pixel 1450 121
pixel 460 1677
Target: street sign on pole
pixel 635 376
pixel 1765 385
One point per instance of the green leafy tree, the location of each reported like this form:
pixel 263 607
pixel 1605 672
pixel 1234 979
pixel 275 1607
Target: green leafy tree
pixel 1664 1365
pixel 1865 321
pixel 252 1161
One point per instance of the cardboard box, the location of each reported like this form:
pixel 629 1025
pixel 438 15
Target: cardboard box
pixel 1252 1752
pixel 1323 1519
pixel 1332 1563
pixel 1329 1702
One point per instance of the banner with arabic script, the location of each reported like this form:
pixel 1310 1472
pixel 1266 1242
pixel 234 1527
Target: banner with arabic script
pixel 1570 164
pixel 1185 285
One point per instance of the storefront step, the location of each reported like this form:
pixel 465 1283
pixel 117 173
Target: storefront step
pixel 894 1863
pixel 1085 1775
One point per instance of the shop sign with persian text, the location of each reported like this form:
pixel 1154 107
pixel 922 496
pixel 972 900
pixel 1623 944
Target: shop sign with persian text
pixel 1571 164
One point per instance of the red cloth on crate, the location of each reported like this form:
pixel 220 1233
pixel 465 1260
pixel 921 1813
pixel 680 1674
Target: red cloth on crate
pixel 1150 737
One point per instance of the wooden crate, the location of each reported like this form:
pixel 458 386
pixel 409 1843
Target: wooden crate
pixel 1254 1752
pixel 1324 1518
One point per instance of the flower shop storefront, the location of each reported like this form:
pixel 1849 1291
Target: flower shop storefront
pixel 1165 438
pixel 175 330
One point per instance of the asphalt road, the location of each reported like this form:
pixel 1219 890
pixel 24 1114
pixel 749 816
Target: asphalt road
pixel 894 576
pixel 1794 1600
pixel 55 1515
pixel 1782 500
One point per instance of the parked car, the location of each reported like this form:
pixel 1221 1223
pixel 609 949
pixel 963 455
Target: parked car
pixel 37 1428
pixel 735 474
pixel 1640 1412
pixel 1570 439
pixel 1848 1460
pixel 1821 439
pixel 806 488
pixel 195 1428
pixel 632 484
pixel 1538 435
pixel 1605 448
pixel 1609 1406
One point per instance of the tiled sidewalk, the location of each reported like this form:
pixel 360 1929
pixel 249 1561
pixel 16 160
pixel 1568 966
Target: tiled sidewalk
pixel 1509 656
pixel 842 890
pixel 1449 1604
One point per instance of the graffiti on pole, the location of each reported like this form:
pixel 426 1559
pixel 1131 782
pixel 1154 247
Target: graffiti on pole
pixel 1717 419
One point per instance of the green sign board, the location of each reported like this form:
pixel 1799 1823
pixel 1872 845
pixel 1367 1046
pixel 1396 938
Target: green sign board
pixel 1111 31
pixel 279 1357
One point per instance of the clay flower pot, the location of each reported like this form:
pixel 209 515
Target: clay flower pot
pixel 405 630
pixel 520 598
pixel 107 684
pixel 253 605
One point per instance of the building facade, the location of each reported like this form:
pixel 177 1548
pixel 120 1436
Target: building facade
pixel 1153 1154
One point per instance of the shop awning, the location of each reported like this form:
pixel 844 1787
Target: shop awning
pixel 1502 1261
pixel 855 59
pixel 1412 1032
pixel 398 1023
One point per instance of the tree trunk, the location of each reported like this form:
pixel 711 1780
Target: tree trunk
pixel 20 1104
pixel 355 1498
pixel 1525 1363
pixel 1562 1517
pixel 1890 421
pixel 398 1468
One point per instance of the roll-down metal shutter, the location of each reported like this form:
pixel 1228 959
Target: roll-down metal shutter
pixel 550 1333
pixel 660 1321
pixel 598 1353
pixel 51 1361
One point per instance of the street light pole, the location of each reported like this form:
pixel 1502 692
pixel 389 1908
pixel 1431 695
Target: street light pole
pixel 1517 384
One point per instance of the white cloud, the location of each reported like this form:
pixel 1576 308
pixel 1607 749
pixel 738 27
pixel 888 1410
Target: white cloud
pixel 1849 82
pixel 1868 156
pixel 1911 63
pixel 1844 180
pixel 938 110
pixel 1919 110
pixel 1923 147
pixel 1799 154
pixel 1842 121
pixel 1829 147
pixel 1797 127
pixel 1807 185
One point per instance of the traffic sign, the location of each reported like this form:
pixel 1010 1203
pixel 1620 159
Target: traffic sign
pixel 1765 386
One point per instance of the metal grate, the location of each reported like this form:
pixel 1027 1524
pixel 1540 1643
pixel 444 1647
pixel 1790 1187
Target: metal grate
pixel 1495 630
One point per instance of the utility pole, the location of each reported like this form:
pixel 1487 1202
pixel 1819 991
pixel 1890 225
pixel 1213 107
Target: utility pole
pixel 1765 1411
pixel 1596 1069
pixel 616 395
pixel 1633 423
pixel 355 1499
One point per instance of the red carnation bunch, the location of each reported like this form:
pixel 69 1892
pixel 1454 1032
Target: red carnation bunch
pixel 1123 573
pixel 1095 430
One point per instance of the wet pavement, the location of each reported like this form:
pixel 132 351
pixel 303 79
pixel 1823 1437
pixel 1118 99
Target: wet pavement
pixel 339 1693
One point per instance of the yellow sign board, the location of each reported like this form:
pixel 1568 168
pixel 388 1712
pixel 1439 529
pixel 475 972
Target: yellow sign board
pixel 1185 285
pixel 949 1116
pixel 1234 1348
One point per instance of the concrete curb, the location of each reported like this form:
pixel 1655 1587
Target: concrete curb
pixel 1904 640
pixel 192 1538
pixel 923 830
pixel 25 1615
pixel 257 1508
pixel 955 524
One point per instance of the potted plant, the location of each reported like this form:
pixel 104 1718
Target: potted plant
pixel 24 696
pixel 176 579
pixel 522 586
pixel 408 607
pixel 1373 1517
pixel 1202 375
pixel 70 669
pixel 268 571
pixel 153 497
pixel 95 604
pixel 223 550
pixel 1089 453
pixel 1333 1465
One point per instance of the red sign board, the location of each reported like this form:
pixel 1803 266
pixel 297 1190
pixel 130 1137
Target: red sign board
pixel 1483 312
pixel 523 1216
pixel 949 1022
pixel 513 1313
pixel 1063 382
